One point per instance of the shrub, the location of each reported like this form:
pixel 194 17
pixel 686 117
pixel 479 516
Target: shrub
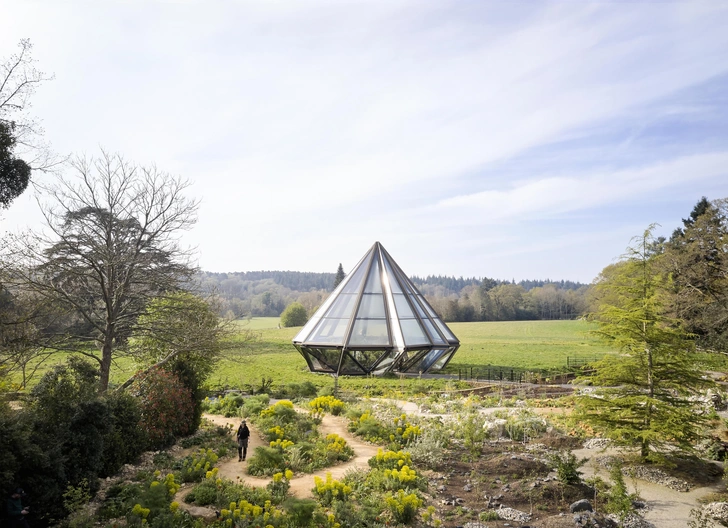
pixel 326 404
pixel 403 507
pixel 166 406
pixel 428 449
pixel 619 500
pixel 196 467
pixel 294 315
pixel 567 467
pixel 390 459
pixel 330 490
pixel 266 461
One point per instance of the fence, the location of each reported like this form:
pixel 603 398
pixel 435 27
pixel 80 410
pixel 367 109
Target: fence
pixel 579 362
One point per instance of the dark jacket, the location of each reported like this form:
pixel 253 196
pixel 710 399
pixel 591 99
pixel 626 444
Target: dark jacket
pixel 14 508
pixel 243 434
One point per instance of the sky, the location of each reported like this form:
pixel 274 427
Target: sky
pixel 513 140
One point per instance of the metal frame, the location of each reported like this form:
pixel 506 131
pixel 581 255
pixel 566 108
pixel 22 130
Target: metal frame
pixel 404 358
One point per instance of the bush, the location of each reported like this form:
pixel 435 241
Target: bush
pixel 266 461
pixel 167 408
pixel 196 467
pixel 567 467
pixel 403 507
pixel 294 315
pixel 330 490
pixel 326 404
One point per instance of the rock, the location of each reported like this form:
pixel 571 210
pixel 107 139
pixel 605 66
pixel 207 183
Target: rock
pixel 717 511
pixel 582 505
pixel 459 501
pixel 511 514
pixel 467 487
pixel 441 488
pixel 593 520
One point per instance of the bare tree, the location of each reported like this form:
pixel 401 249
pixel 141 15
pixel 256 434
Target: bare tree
pixel 111 244
pixel 19 79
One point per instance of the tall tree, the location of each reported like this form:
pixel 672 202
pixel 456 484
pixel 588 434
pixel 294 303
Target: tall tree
pixel 339 275
pixel 21 137
pixel 647 402
pixel 111 245
pixel 697 259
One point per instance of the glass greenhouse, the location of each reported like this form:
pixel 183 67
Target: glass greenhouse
pixel 376 321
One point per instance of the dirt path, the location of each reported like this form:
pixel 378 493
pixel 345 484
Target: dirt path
pixel 301 485
pixel 667 508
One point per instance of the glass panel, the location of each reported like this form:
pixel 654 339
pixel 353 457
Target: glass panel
pixel 367 358
pixel 369 332
pixel 354 285
pixel 329 332
pixel 404 311
pixel 394 285
pixel 413 361
pixel 430 358
pixel 446 331
pixel 386 363
pixel 371 307
pixel 427 306
pixel 433 333
pixel 317 365
pixel 349 366
pixel 343 306
pixel 301 337
pixel 413 333
pixel 440 363
pixel 419 309
pixel 374 282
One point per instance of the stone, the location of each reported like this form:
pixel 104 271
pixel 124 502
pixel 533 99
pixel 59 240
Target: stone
pixel 717 510
pixel 467 487
pixel 582 505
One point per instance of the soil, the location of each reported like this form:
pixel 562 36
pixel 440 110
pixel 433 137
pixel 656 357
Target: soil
pixel 508 474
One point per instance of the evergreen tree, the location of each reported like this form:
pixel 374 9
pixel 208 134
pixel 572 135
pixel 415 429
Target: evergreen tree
pixel 697 259
pixel 339 275
pixel 646 401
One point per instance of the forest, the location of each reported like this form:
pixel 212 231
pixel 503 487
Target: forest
pixel 268 293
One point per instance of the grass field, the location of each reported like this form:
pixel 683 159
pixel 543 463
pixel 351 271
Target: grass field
pixel 523 344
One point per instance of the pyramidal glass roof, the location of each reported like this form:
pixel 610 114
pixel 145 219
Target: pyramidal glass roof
pixel 374 317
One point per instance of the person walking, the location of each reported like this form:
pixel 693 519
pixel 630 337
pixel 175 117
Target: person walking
pixel 15 510
pixel 243 435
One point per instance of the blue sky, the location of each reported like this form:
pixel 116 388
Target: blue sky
pixel 502 139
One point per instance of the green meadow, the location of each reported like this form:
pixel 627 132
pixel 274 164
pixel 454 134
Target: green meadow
pixel 537 345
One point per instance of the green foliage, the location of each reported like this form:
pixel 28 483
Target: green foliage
pixel 403 506
pixel 266 461
pixel 294 315
pixel 196 467
pixel 229 405
pixel 330 490
pixel 125 439
pixel 567 467
pixel 326 404
pixel 654 378
pixel 167 407
pixel 619 501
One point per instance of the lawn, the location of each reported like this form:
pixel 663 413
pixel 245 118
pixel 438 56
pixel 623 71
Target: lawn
pixel 538 345
pixel 519 344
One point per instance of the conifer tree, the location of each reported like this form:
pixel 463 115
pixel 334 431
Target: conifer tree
pixel 339 275
pixel 646 400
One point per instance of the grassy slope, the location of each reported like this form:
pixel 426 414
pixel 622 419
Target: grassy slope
pixel 526 344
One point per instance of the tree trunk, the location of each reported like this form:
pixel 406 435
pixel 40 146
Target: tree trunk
pixel 105 368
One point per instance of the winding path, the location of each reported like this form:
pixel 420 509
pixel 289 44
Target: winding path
pixel 301 485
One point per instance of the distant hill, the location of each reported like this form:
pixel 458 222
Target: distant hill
pixel 267 293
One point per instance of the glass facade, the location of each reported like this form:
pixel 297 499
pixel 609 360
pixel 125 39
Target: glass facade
pixel 376 321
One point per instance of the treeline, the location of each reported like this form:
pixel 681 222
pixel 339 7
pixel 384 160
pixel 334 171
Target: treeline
pixel 267 293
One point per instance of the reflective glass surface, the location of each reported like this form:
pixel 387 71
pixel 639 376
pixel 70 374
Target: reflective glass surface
pixel 369 332
pixel 342 306
pixel 371 307
pixel 413 333
pixel 434 335
pixel 329 332
pixel 374 282
pixel 404 311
